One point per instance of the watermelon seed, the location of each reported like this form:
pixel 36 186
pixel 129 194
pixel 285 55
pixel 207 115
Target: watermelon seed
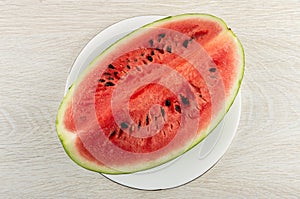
pixel 169 49
pixel 185 43
pixel 162 112
pixel 142 54
pixel 110 78
pixel 171 126
pixel 144 62
pixel 112 134
pixel 200 95
pixel 212 70
pixel 147 120
pixel 162 35
pixel 124 125
pixel 160 50
pixel 101 80
pixel 152 52
pixel 184 100
pixel 116 73
pixel 135 60
pixel 109 84
pixel 151 42
pixel 111 66
pixel 149 58
pixel 128 66
pixel 106 73
pixel 177 108
pixel 168 103
pixel 139 124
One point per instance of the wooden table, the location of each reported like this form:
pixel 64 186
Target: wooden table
pixel 39 41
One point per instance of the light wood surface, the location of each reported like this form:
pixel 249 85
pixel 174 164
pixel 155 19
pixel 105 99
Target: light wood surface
pixel 40 39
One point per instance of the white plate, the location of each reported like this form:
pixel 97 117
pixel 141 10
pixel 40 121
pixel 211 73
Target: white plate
pixel 184 168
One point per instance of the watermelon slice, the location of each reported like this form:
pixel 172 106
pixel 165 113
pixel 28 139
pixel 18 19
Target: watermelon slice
pixel 152 95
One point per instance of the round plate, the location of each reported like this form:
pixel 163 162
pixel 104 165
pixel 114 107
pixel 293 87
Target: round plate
pixel 188 166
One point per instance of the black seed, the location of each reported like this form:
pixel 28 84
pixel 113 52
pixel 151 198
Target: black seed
pixel 144 62
pixel 147 120
pixel 200 95
pixel 162 35
pixel 149 58
pixel 109 84
pixel 151 42
pixel 124 125
pixel 112 134
pixel 139 124
pixel 177 108
pixel 169 49
pixel 212 70
pixel 142 54
pixel 162 110
pixel 160 50
pixel 184 100
pixel 111 66
pixel 115 73
pixel 168 103
pixel 135 60
pixel 128 66
pixel 106 73
pixel 101 80
pixel 185 43
pixel 152 52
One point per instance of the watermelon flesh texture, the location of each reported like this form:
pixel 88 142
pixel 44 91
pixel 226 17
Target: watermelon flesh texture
pixel 152 95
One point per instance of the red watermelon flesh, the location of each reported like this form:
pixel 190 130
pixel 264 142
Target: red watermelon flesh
pixel 152 95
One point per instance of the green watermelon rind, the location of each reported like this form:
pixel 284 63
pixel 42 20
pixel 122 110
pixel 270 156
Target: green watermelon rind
pixel 71 150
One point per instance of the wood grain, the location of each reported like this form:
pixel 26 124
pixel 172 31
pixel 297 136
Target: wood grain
pixel 40 39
